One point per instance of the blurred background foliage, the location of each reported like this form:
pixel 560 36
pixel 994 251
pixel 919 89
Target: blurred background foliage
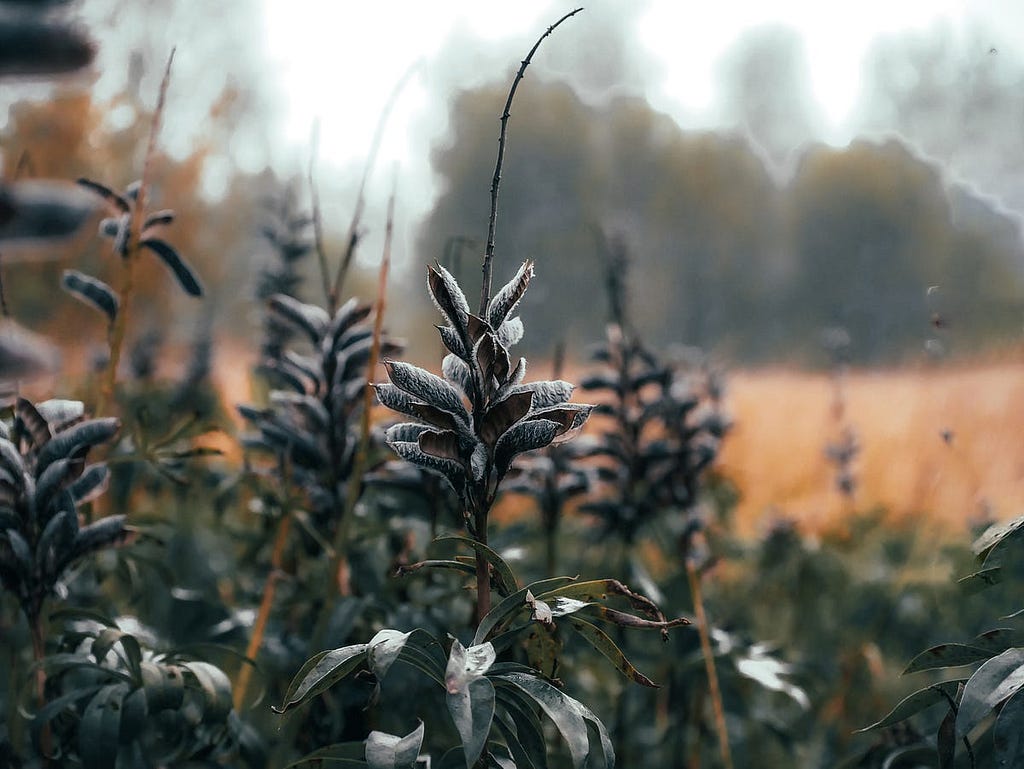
pixel 746 243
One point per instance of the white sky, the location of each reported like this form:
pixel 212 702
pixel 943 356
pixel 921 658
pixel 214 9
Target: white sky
pixel 357 51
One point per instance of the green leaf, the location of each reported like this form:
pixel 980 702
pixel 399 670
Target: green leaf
pixel 945 740
pixel 169 256
pixel 511 605
pixel 92 291
pixel 110 636
pixel 571 718
pixel 508 296
pixel 998 640
pixel 518 712
pixel 600 641
pixel 70 613
pixel 387 751
pixel 472 710
pixel 992 683
pixel 916 702
pixel 994 535
pixel 1009 733
pixel 164 685
pixel 506 580
pixel 980 580
pixel 946 656
pixel 320 673
pixel 911 757
pixel 470 696
pixel 55 707
pixel 341 755
pixel 98 734
pixel 215 687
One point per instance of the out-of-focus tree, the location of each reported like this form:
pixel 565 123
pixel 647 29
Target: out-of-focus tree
pixel 765 91
pixel 726 257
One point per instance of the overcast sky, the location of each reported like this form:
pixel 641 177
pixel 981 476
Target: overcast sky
pixel 676 55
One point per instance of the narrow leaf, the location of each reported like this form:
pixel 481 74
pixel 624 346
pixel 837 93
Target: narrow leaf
pixel 946 656
pixel 992 683
pixel 185 275
pixel 320 673
pixel 600 641
pixel 92 291
pixel 388 751
pixel 916 702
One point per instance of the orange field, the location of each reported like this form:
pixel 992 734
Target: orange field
pixel 942 446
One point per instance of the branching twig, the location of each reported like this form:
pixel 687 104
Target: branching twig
pixel 485 288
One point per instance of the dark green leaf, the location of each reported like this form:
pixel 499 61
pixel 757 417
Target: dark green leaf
pixel 992 683
pixel 570 717
pixel 1008 734
pixel 524 436
pixel 387 751
pixel 426 387
pixel 512 605
pixel 164 685
pixel 505 579
pixel 98 734
pixel 342 755
pixel 946 656
pixel 92 291
pixel 980 580
pixel 81 436
pixel 447 296
pixel 113 198
pixel 320 673
pixel 508 296
pixel 215 688
pixel 600 641
pixel 185 275
pixel 916 702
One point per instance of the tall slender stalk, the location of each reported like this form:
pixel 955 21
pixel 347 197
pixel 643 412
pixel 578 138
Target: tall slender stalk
pixel 119 326
pixel 339 559
pixel 709 661
pixel 485 288
pixel 352 238
pixel 318 228
pixel 482 507
pixel 266 604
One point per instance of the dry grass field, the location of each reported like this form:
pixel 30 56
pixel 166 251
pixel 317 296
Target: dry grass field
pixel 940 446
pixel 943 446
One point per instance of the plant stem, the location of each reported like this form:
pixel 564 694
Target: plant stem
pixel 709 662
pixel 37 629
pixel 483 568
pixel 340 557
pixel 318 229
pixel 485 288
pixel 352 239
pixel 266 604
pixel 119 325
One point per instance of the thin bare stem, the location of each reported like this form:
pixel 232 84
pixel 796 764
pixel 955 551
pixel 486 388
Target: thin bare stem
pixel 709 662
pixel 485 288
pixel 352 239
pixel 339 560
pixel 119 325
pixel 266 604
pixel 318 228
